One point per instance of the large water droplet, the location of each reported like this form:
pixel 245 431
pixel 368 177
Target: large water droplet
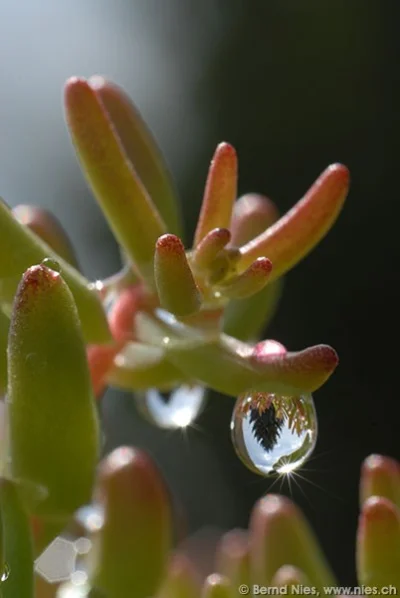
pixel 273 434
pixel 173 409
pixel 51 263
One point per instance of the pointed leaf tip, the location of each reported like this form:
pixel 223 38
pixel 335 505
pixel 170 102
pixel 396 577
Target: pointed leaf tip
pixel 175 284
pixel 296 233
pixel 220 192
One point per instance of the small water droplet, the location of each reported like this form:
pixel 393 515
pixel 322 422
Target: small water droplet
pixel 173 409
pixel 274 434
pixel 5 574
pixel 91 517
pixel 97 285
pixel 52 264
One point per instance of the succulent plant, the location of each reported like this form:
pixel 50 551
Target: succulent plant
pixel 176 320
pixel 172 322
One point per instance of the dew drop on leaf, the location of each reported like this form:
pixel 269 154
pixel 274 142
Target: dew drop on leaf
pixel 174 409
pixel 274 434
pixel 52 264
pixel 5 573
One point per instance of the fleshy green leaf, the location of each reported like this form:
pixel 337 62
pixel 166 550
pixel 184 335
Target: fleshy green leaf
pixel 380 476
pixel 141 149
pixel 279 535
pixel 294 235
pixel 175 284
pixel 378 544
pixel 250 282
pixel 139 367
pixel 219 194
pixel 20 248
pixel 181 579
pixel 252 215
pixel 46 226
pixel 232 558
pixel 4 326
pixel 122 196
pixel 18 545
pixel 53 428
pixel 131 548
pixel 246 318
pixel 232 367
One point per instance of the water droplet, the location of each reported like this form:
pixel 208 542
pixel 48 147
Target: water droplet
pixel 52 264
pixel 5 574
pixel 274 434
pixel 97 285
pixel 90 517
pixel 173 409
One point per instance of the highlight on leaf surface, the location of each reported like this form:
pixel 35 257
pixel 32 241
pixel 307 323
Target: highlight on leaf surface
pixel 133 218
pixel 49 382
pixel 141 150
pixel 293 236
pixel 20 248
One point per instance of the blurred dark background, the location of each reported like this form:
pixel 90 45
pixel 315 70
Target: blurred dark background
pixel 295 85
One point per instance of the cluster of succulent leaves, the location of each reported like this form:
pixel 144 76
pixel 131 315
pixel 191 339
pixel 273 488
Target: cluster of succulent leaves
pixel 170 316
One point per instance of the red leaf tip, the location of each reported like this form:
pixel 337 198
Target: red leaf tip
pixel 379 509
pixel 262 264
pixel 170 244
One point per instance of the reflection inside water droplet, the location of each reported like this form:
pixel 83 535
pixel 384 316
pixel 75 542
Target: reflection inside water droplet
pixel 173 409
pixel 52 264
pixel 273 434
